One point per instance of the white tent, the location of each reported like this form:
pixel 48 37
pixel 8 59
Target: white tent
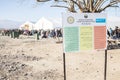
pixel 27 26
pixel 57 22
pixel 44 24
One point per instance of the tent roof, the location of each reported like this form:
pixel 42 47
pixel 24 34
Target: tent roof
pixel 43 23
pixel 27 23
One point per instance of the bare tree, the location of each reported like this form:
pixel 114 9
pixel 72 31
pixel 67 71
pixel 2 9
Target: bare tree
pixel 91 6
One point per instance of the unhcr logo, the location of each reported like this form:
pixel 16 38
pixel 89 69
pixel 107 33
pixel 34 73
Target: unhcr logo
pixel 100 20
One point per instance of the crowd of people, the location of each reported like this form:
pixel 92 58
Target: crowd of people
pixel 43 33
pixel 114 33
pixel 111 33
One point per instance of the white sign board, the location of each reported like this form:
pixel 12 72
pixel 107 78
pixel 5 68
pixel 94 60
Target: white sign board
pixel 85 31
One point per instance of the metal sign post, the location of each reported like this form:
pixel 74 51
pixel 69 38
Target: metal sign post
pixel 105 68
pixel 64 66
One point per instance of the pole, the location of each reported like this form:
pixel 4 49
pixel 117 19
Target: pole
pixel 64 66
pixel 105 69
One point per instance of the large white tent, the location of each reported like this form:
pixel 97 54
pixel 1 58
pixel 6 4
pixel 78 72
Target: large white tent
pixel 44 24
pixel 27 26
pixel 57 22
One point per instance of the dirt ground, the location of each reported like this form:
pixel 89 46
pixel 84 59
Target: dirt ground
pixel 29 59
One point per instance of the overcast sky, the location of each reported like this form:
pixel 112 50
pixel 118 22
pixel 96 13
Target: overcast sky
pixel 28 10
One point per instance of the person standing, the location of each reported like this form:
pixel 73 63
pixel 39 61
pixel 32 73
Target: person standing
pixel 117 32
pixel 111 32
